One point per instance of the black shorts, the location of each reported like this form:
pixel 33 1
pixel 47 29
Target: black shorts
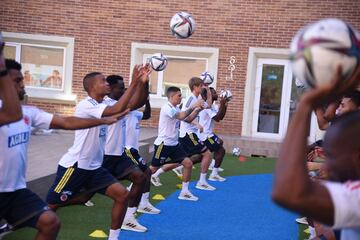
pixel 120 166
pixel 192 145
pixel 134 155
pixel 167 154
pixel 21 208
pixel 213 143
pixel 73 181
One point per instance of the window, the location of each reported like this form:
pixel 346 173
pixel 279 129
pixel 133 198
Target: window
pixel 46 64
pixel 183 63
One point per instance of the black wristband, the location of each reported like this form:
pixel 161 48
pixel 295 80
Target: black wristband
pixel 3 72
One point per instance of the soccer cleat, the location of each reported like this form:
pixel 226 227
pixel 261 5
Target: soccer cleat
pixel 204 186
pixel 217 178
pixel 178 172
pixel 302 220
pixel 156 181
pixel 187 196
pixel 148 208
pixel 89 204
pixel 131 224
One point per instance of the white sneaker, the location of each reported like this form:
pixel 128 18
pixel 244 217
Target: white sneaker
pixel 89 204
pixel 302 220
pixel 217 178
pixel 187 196
pixel 212 164
pixel 204 186
pixel 156 181
pixel 178 172
pixel 148 208
pixel 4 230
pixel 131 224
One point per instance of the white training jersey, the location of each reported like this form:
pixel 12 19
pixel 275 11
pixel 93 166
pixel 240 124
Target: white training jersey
pixel 168 125
pixel 88 148
pixel 115 136
pixel 346 201
pixel 206 120
pixel 133 129
pixel 184 126
pixel 14 140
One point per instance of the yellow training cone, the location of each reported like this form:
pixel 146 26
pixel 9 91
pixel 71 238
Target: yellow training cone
pixel 158 197
pixel 179 186
pixel 98 234
pixel 307 231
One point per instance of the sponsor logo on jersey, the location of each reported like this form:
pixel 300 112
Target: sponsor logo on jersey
pixel 17 139
pixel 26 120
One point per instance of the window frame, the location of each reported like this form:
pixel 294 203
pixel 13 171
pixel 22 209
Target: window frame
pixel 63 95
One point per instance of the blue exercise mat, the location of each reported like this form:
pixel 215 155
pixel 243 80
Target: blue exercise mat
pixel 239 208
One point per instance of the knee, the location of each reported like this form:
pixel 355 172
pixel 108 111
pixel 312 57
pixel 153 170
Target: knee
pixel 138 178
pixel 187 163
pixel 48 222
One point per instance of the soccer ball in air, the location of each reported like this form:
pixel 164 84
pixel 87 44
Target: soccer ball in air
pixel 318 49
pixel 158 62
pixel 207 78
pixel 226 94
pixel 182 25
pixel 236 151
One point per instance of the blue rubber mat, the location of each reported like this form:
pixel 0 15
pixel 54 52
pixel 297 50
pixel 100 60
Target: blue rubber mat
pixel 239 208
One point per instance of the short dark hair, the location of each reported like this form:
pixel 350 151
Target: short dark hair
pixel 354 96
pixel 194 81
pixel 87 79
pixel 113 79
pixel 172 89
pixel 12 64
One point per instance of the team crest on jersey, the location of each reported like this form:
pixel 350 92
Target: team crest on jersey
pixel 65 195
pixel 102 132
pixel 17 139
pixel 26 120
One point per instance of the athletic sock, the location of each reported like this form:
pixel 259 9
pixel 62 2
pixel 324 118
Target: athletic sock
pixel 215 171
pixel 158 172
pixel 114 234
pixel 312 232
pixel 202 177
pixel 185 187
pixel 130 212
pixel 144 198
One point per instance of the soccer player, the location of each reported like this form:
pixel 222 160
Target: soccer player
pixel 189 128
pixel 10 109
pixel 18 205
pixel 118 160
pixel 207 117
pixel 335 202
pixel 167 147
pixel 80 168
pixel 132 150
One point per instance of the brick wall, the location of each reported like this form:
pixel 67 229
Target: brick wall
pixel 104 31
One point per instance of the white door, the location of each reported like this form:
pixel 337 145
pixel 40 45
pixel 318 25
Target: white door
pixel 276 98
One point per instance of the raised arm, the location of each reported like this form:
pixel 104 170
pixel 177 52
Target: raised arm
pixel 10 110
pixel 139 76
pixel 147 110
pixel 222 110
pixel 193 111
pixel 74 123
pixel 292 187
pixel 323 123
pixel 140 96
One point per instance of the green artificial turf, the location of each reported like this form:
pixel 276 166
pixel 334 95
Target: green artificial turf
pixel 77 222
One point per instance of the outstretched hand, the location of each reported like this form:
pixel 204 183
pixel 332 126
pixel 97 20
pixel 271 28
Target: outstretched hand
pixel 333 91
pixel 141 73
pixel 114 118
